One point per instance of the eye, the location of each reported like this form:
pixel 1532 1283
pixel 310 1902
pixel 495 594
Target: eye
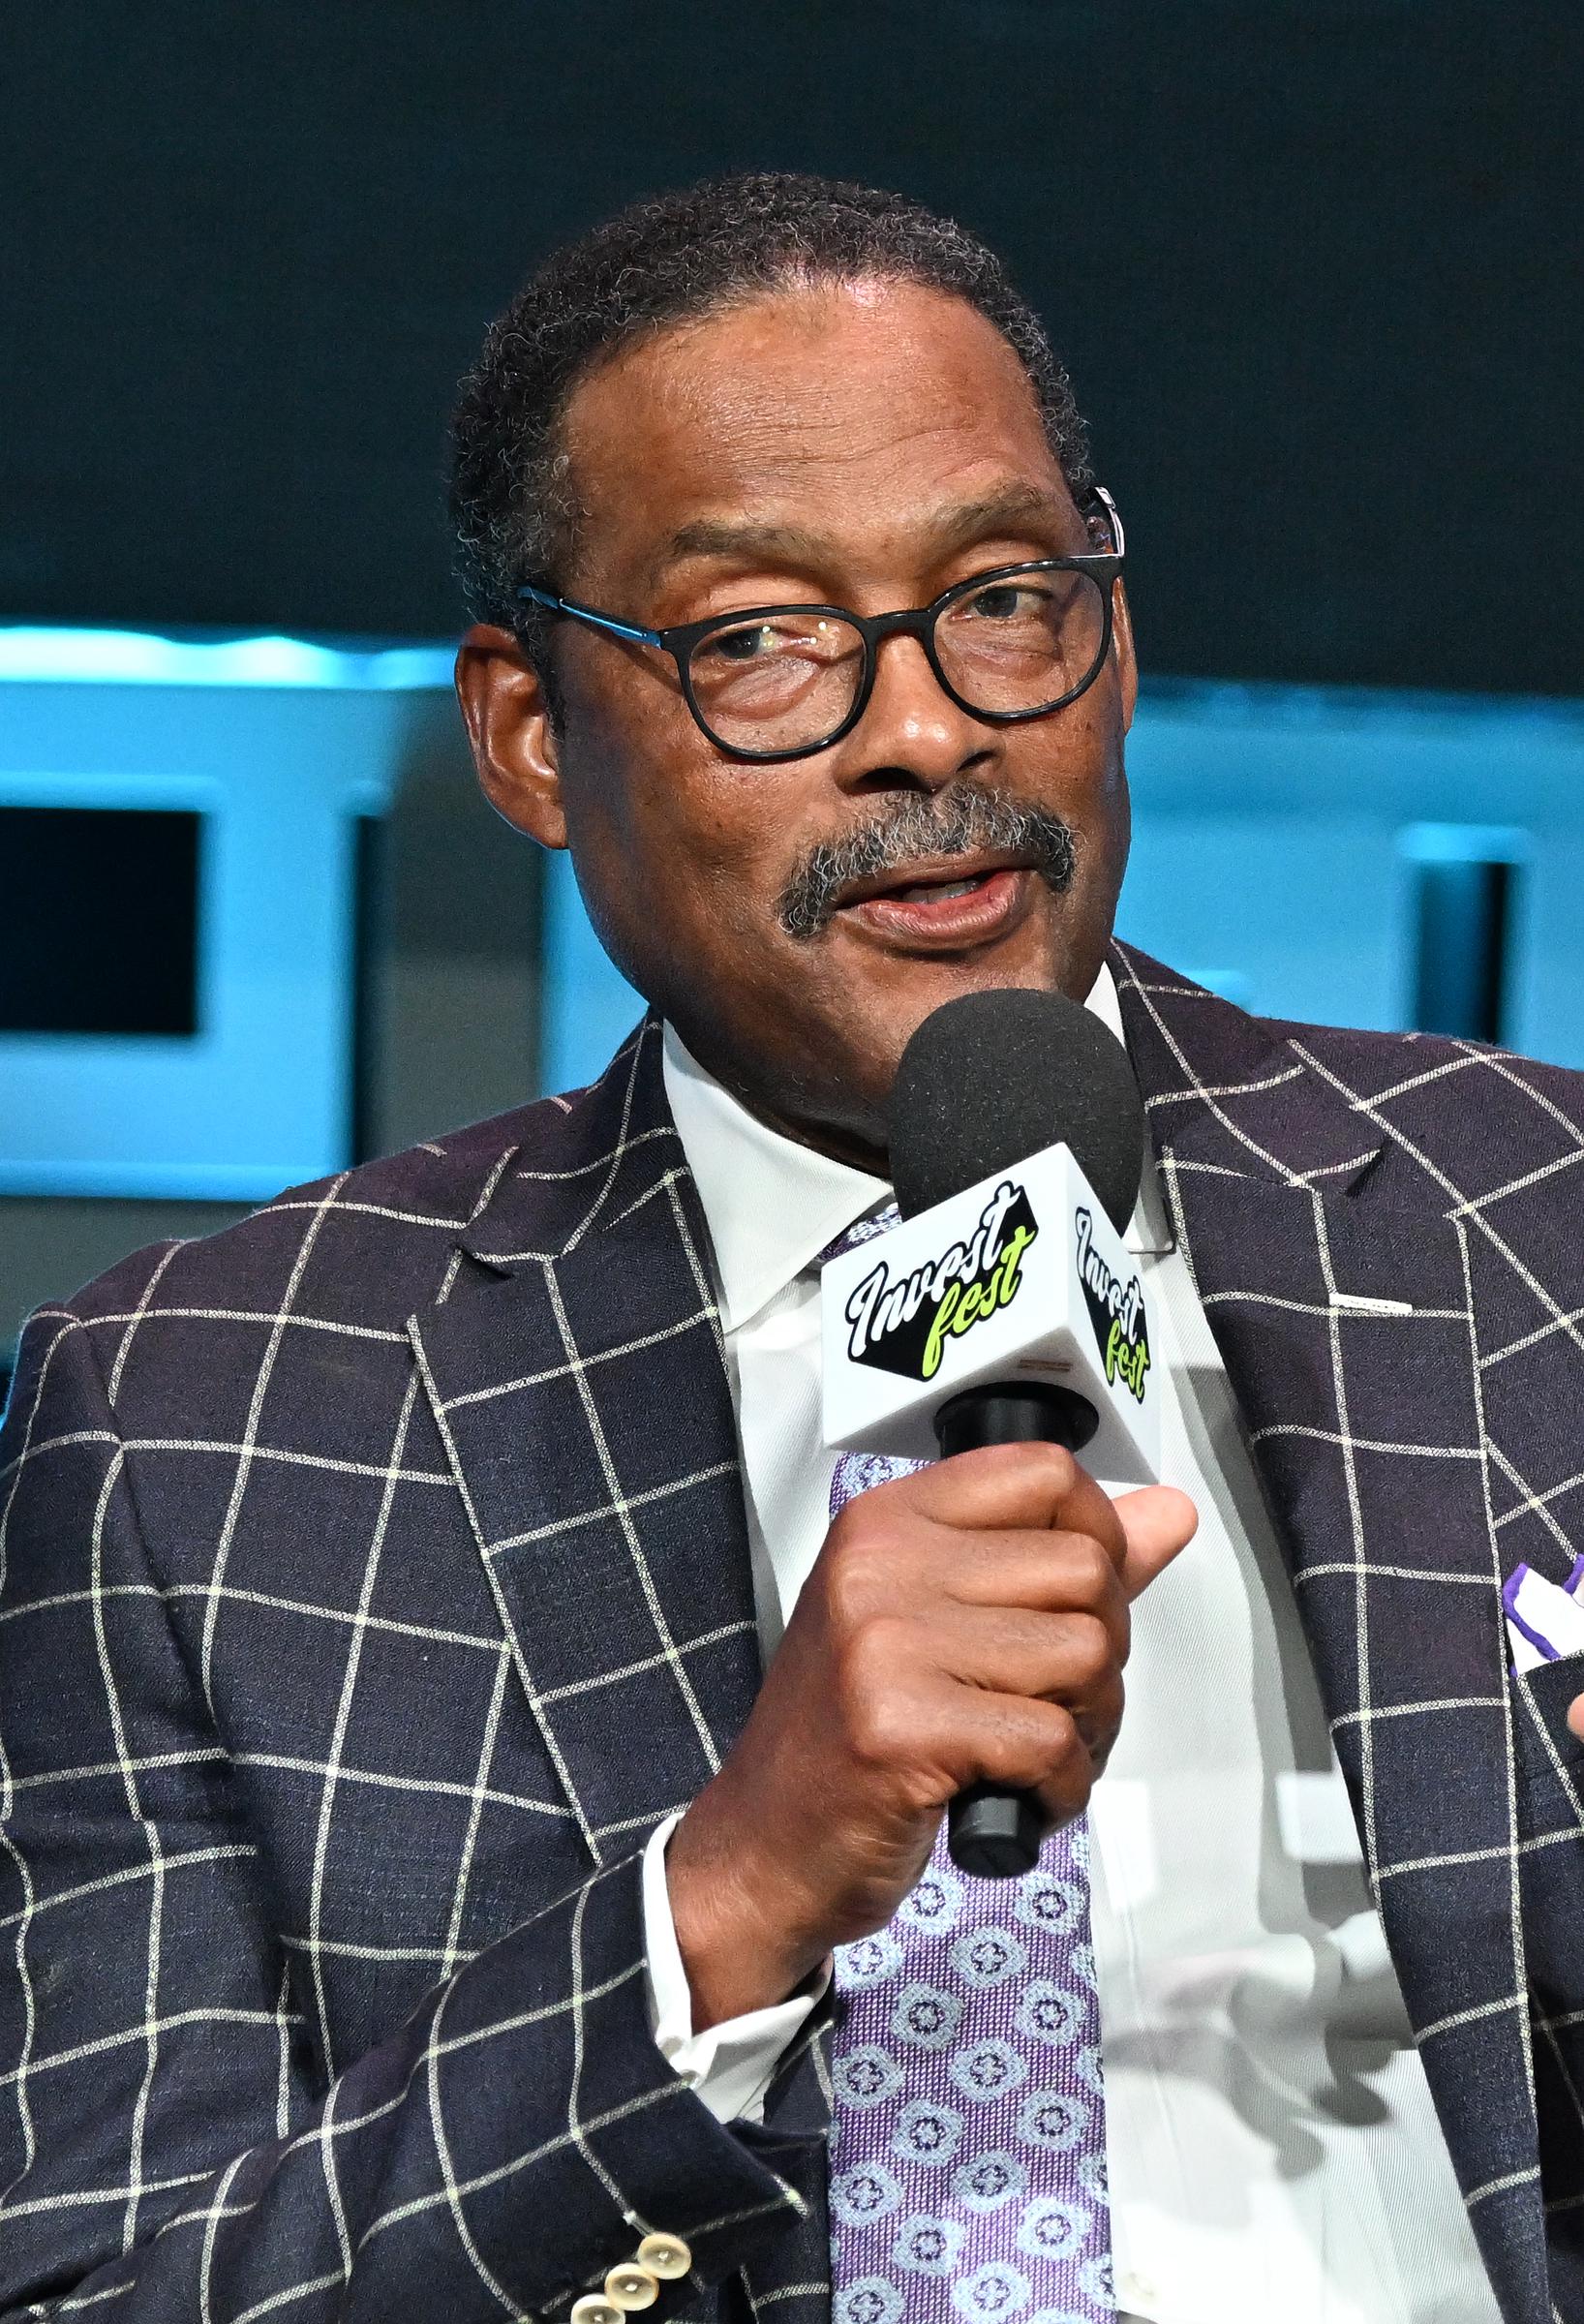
pixel 790 641
pixel 743 645
pixel 754 641
pixel 1006 602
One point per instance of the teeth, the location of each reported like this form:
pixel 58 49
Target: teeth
pixel 930 892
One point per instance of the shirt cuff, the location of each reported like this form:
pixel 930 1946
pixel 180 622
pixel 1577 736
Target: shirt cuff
pixel 731 2065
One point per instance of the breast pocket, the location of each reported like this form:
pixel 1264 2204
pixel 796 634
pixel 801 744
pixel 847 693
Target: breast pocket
pixel 1548 1771
pixel 1550 1755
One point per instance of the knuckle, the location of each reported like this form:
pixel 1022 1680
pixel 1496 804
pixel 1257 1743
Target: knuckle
pixel 878 1730
pixel 1040 1738
pixel 847 1530
pixel 1090 1655
pixel 878 1649
pixel 874 1655
pixel 1069 1766
pixel 1090 1570
pixel 859 1553
pixel 1051 1467
pixel 1063 1743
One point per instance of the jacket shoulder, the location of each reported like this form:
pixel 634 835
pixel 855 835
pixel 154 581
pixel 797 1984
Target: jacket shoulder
pixel 376 1239
pixel 1476 1118
pixel 1376 1067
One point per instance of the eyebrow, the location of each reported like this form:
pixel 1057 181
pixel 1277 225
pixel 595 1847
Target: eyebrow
pixel 948 529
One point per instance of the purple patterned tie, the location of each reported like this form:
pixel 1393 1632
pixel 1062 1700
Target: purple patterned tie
pixel 969 2127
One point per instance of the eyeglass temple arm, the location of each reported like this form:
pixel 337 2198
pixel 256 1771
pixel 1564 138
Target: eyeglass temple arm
pixel 586 613
pixel 1113 520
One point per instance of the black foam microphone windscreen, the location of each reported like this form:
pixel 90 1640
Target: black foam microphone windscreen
pixel 991 1078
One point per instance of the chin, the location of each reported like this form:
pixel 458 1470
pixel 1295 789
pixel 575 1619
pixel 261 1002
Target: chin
pixel 926 985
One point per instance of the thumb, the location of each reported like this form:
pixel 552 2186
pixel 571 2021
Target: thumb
pixel 1157 1521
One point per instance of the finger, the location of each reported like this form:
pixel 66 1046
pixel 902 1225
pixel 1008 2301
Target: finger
pixel 1013 1485
pixel 1016 1743
pixel 1575 1714
pixel 1042 1572
pixel 1067 1658
pixel 1157 1521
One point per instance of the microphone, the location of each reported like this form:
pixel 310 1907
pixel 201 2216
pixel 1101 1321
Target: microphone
pixel 1006 1307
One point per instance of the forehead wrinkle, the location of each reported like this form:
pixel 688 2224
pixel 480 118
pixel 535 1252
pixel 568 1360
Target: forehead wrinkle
pixel 760 403
pixel 942 529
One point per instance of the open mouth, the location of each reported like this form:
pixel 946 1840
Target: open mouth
pixel 925 882
pixel 954 906
pixel 939 891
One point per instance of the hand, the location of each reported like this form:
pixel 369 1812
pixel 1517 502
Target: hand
pixel 1575 1714
pixel 965 1623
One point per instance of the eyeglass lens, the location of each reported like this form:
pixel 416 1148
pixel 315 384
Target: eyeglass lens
pixel 788 680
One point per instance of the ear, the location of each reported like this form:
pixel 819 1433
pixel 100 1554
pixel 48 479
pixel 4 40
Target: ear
pixel 507 718
pixel 1127 667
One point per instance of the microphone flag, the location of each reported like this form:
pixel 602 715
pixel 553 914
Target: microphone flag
pixel 1021 1277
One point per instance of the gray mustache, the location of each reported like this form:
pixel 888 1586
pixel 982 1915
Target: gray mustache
pixel 967 819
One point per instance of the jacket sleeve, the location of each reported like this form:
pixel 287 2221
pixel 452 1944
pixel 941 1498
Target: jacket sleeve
pixel 166 2150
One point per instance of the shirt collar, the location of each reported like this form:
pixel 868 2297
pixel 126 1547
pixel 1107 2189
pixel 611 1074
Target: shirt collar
pixel 772 1205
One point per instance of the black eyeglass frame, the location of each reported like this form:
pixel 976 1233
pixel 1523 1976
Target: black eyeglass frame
pixel 682 641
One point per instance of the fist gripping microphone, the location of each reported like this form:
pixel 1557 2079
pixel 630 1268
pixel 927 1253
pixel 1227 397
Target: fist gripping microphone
pixel 1006 1307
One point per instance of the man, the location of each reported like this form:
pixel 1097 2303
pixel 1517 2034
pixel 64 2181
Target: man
pixel 387 1576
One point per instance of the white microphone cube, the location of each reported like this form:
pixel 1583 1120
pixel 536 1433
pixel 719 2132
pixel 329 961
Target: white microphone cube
pixel 1021 1278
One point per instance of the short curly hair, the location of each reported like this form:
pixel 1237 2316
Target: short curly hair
pixel 672 259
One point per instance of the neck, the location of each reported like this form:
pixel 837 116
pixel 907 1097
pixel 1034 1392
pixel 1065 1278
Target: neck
pixel 855 1137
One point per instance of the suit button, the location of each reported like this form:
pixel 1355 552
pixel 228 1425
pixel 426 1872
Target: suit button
pixel 595 2309
pixel 666 2256
pixel 631 2287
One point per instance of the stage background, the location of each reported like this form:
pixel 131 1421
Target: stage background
pixel 1313 268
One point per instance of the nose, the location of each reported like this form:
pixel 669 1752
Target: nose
pixel 911 730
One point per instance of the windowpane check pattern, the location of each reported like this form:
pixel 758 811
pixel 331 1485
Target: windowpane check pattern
pixel 374 1576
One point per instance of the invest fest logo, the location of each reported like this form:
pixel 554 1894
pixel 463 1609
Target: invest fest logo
pixel 901 1323
pixel 1116 1312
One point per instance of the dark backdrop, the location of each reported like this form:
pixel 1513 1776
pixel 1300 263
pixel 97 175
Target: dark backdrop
pixel 1314 266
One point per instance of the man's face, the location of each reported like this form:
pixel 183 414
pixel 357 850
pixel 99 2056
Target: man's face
pixel 866 447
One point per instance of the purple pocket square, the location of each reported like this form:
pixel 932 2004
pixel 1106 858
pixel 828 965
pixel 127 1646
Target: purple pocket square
pixel 1545 1622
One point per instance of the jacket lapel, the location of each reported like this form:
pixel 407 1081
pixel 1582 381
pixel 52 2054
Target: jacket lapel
pixel 575 1373
pixel 1338 1291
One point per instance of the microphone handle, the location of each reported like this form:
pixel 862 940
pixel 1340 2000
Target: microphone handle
pixel 996 1835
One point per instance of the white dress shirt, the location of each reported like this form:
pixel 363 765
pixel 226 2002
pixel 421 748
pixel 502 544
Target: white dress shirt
pixel 1273 2151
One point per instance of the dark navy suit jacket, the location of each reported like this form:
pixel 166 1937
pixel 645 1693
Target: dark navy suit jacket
pixel 374 1576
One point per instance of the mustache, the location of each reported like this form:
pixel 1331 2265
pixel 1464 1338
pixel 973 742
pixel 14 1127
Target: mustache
pixel 967 818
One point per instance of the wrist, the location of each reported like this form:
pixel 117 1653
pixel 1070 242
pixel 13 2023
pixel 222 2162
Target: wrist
pixel 734 1927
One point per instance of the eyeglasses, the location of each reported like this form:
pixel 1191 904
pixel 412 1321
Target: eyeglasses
pixel 770 682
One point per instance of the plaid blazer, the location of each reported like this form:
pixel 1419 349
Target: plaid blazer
pixel 374 1576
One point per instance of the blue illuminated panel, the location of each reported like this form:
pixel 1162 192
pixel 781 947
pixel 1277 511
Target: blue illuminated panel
pixel 278 746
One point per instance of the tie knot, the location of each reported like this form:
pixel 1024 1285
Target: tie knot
pixel 861 1230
